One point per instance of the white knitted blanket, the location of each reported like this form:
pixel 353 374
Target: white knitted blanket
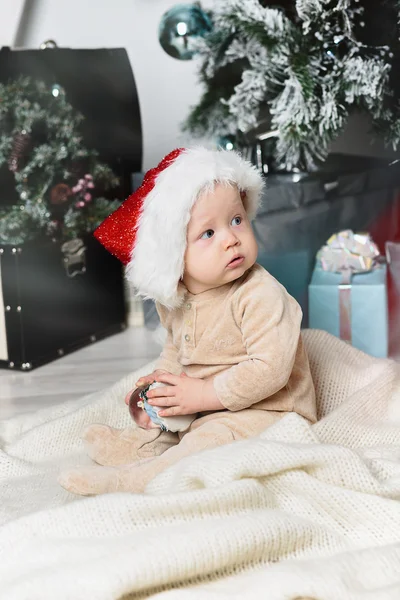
pixel 299 511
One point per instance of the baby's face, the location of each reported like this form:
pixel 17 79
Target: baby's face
pixel 220 241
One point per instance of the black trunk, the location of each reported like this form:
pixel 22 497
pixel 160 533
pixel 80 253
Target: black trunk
pixel 56 298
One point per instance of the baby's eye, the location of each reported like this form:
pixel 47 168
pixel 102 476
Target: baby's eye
pixel 207 234
pixel 236 221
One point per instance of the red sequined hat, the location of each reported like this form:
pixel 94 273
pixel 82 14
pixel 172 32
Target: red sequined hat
pixel 148 231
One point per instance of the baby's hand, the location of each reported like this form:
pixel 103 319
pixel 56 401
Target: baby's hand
pixel 140 417
pixel 183 395
pixel 142 382
pixel 148 379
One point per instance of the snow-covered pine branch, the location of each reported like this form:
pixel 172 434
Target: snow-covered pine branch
pixel 307 73
pixel 308 9
pixel 242 15
pixel 248 96
pixel 365 79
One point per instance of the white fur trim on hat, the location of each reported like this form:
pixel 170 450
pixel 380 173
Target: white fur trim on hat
pixel 157 260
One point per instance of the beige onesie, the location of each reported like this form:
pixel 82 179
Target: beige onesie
pixel 246 337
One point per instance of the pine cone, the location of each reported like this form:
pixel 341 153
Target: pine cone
pixel 60 193
pixel 19 149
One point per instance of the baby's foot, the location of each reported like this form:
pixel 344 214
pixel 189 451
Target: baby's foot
pixel 111 447
pixel 88 481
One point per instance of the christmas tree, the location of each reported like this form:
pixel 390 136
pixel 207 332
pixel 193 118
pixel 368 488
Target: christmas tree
pixel 299 69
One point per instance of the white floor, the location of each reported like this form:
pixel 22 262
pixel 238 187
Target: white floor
pixel 93 368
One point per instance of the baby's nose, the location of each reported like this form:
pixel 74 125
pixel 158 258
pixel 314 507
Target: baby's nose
pixel 230 240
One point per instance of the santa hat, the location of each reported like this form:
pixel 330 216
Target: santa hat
pixel 148 231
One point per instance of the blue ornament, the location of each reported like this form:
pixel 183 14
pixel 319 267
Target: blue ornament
pixel 180 26
pixel 227 142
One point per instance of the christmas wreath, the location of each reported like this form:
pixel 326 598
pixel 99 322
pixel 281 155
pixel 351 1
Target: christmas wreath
pixel 301 68
pixel 59 182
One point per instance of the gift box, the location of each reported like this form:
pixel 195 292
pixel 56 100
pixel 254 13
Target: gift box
pixel 393 264
pixel 368 307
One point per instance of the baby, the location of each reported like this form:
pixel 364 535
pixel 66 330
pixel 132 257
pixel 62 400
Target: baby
pixel 234 358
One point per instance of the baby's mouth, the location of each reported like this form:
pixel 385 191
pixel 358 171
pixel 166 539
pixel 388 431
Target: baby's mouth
pixel 236 261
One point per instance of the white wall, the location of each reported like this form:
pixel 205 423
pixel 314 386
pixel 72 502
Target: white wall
pixel 166 86
pixel 10 14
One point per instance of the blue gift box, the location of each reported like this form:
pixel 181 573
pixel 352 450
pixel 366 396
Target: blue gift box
pixel 369 308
